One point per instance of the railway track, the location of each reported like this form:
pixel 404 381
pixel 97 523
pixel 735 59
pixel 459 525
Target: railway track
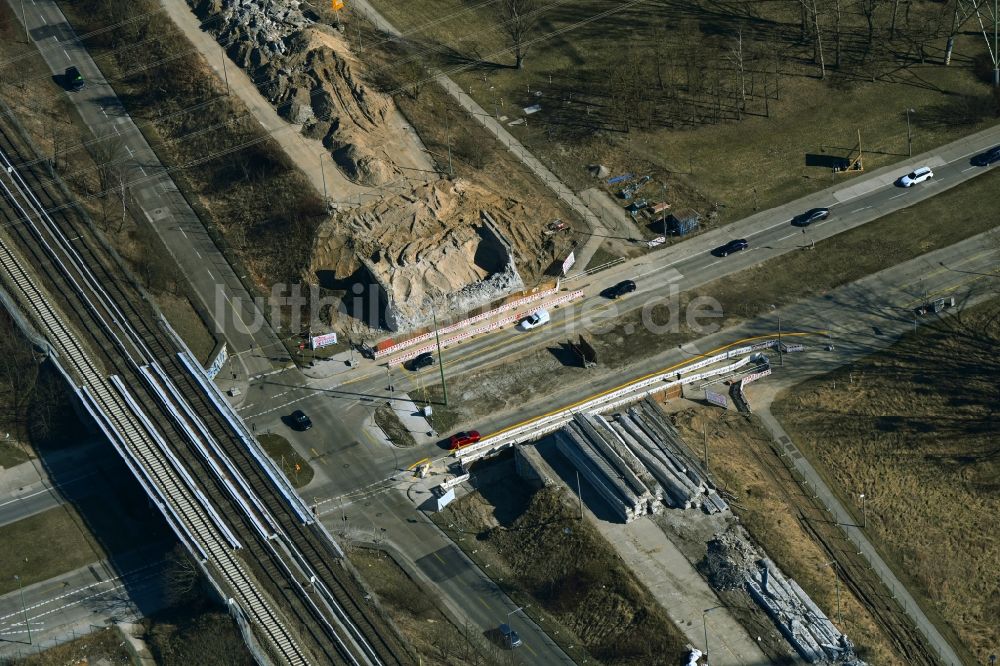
pixel 286 551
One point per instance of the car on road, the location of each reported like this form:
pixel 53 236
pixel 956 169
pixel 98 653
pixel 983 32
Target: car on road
pixel 620 289
pixel 421 361
pixel 737 245
pixel 810 216
pixel 73 79
pixel 989 157
pixel 509 637
pixel 300 421
pixel 462 439
pixel 535 319
pixel 916 177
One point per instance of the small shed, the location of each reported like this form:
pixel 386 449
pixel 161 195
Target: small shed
pixel 683 221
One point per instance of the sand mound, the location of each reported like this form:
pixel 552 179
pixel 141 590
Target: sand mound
pixel 433 244
pixel 308 72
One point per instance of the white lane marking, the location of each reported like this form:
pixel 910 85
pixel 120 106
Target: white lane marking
pixel 198 254
pixel 784 237
pixel 183 234
pixel 104 112
pixel 858 210
pixel 714 263
pixel 774 226
pixel 142 170
pixel 65 54
pixel 129 151
pixel 209 273
pixel 902 194
pixel 968 169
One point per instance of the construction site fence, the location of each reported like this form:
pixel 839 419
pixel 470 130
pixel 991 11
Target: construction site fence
pixel 472 332
pixel 512 301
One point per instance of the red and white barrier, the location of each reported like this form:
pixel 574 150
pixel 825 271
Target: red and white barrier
pixel 492 326
pixel 489 314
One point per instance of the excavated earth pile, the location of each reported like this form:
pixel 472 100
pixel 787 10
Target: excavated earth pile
pixel 445 243
pixel 307 71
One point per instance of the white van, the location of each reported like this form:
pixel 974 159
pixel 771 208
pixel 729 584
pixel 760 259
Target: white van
pixel 535 319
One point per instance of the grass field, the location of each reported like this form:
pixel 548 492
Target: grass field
pixel 952 216
pixel 199 632
pixel 658 88
pixel 916 430
pixel 295 467
pixel 770 506
pixel 27 550
pixel 563 572
pixel 104 646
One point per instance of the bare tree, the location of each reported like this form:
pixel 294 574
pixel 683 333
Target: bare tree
pixel 519 20
pixel 811 8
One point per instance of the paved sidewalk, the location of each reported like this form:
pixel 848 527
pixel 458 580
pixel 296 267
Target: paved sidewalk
pixel 681 590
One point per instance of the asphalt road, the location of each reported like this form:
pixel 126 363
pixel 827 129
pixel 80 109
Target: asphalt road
pixel 58 609
pixel 212 278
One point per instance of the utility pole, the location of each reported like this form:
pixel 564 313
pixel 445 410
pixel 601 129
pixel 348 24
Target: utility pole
pixel 579 493
pixel 437 341
pixel 836 581
pixel 447 125
pixel 322 171
pixel 704 432
pixel 24 610
pixel 909 135
pixel 225 70
pixel 864 514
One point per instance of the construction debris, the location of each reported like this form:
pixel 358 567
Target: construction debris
pixel 733 562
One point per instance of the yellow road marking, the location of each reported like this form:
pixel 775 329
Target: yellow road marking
pixel 644 377
pixel 418 463
pixel 440 559
pixel 483 602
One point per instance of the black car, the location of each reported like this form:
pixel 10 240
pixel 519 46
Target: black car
pixel 620 289
pixel 810 216
pixel 989 157
pixel 300 421
pixel 422 361
pixel 73 79
pixel 732 246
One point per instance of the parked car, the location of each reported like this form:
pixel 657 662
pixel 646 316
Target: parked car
pixel 510 638
pixel 989 157
pixel 620 289
pixel 916 177
pixel 300 421
pixel 732 246
pixel 810 216
pixel 421 361
pixel 462 439
pixel 72 79
pixel 535 319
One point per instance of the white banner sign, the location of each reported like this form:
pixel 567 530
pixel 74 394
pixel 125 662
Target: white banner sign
pixel 323 340
pixel 568 263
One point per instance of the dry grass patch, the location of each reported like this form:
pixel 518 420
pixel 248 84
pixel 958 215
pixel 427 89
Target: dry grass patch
pixel 916 429
pixel 702 94
pixel 563 571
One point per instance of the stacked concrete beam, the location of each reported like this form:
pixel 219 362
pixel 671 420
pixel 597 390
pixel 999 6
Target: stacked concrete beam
pixel 666 469
pixel 620 458
pixel 573 444
pixel 810 632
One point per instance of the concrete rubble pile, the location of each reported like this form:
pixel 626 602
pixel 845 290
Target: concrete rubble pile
pixel 637 462
pixel 306 70
pixel 732 562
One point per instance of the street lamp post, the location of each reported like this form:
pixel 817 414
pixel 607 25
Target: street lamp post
pixel 864 514
pixel 836 581
pixel 704 627
pixel 909 135
pixel 781 359
pixel 24 610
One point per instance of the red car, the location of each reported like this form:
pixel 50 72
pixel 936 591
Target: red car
pixel 462 439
